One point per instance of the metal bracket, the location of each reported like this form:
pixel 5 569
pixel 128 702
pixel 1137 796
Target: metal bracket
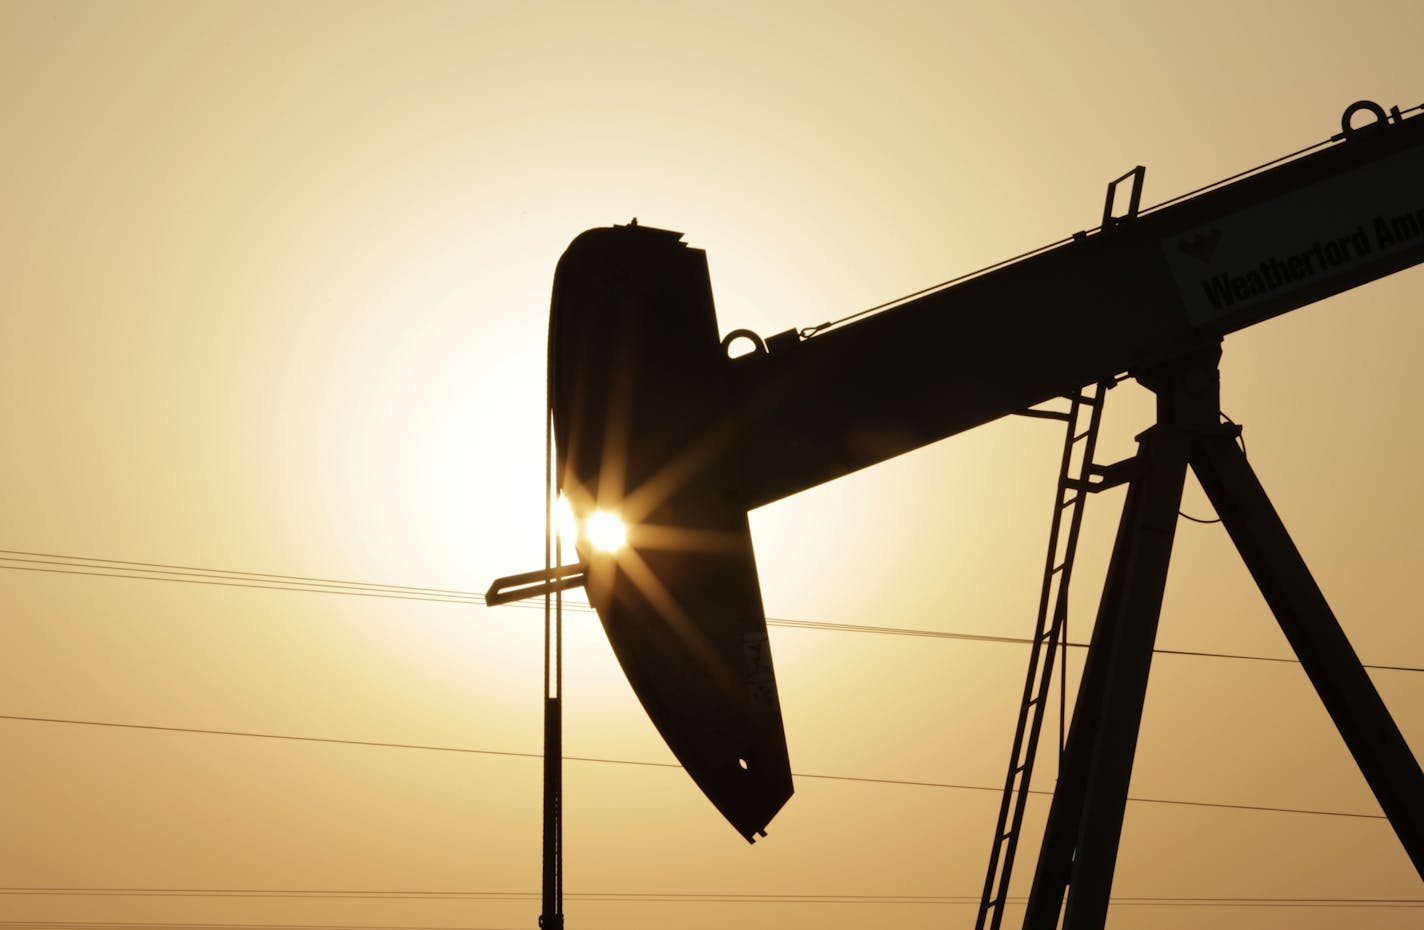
pixel 1109 476
pixel 532 584
pixel 1134 201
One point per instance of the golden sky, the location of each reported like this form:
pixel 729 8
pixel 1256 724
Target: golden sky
pixel 274 300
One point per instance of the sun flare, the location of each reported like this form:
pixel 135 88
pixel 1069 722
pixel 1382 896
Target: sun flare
pixel 605 531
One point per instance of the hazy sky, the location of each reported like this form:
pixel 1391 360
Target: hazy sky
pixel 274 295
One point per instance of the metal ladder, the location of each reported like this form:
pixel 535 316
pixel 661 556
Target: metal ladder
pixel 1075 475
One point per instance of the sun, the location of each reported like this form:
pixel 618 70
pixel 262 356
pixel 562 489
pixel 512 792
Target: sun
pixel 605 531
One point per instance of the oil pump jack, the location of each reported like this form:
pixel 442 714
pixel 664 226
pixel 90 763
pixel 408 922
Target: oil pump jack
pixel 655 420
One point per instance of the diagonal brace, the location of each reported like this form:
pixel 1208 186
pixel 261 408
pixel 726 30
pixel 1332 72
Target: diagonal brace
pixel 1313 632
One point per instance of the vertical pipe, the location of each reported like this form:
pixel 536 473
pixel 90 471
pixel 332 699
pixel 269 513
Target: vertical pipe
pixel 553 891
pixel 552 865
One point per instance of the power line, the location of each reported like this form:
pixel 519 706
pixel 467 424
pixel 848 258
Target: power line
pixel 625 897
pixel 150 571
pixel 153 571
pixel 152 925
pixel 188 569
pixel 901 782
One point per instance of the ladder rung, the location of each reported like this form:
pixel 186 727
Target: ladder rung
pixel 1045 414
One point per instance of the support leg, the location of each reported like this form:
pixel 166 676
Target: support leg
pixel 1055 855
pixel 1110 769
pixel 1085 822
pixel 1315 635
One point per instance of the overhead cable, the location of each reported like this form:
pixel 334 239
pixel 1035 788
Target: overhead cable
pixel 867 780
pixel 19 560
pixel 653 897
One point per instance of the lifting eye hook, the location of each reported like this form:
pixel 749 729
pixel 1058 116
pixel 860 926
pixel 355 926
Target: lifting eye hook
pixel 758 346
pixel 1347 127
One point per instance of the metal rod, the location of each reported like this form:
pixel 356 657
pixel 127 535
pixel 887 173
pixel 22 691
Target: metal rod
pixel 552 864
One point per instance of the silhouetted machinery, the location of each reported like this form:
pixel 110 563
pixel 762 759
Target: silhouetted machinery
pixel 655 421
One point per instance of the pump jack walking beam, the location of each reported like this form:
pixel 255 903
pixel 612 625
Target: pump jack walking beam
pixel 1085 821
pixel 655 421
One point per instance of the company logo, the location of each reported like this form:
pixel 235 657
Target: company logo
pixel 1202 246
